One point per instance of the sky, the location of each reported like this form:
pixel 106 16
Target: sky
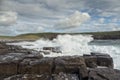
pixel 72 16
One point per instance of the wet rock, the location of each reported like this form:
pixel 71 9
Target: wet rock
pixel 91 61
pixel 99 54
pixel 45 52
pixel 104 74
pixel 11 57
pixel 98 59
pixel 70 64
pixel 53 49
pixel 34 54
pixel 18 49
pixel 105 61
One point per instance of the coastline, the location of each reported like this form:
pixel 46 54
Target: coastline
pixel 19 63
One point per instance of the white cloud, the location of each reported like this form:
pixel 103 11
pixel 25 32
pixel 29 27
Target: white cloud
pixel 52 15
pixel 7 18
pixel 21 28
pixel 74 20
pixel 101 20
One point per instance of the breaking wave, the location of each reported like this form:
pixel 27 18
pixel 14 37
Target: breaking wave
pixel 75 45
pixel 69 44
pixel 112 50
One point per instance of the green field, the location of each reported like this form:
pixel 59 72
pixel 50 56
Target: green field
pixel 34 36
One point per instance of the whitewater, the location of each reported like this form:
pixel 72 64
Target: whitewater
pixel 76 45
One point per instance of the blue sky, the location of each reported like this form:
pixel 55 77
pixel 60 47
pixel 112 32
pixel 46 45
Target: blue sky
pixel 34 16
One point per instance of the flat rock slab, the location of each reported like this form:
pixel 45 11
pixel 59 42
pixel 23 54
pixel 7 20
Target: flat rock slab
pixel 71 64
pixel 104 74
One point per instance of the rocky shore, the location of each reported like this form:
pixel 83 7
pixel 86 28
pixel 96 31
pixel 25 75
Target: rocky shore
pixel 17 63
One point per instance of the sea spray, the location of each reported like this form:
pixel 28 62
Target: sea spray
pixel 69 45
pixel 76 45
pixel 112 50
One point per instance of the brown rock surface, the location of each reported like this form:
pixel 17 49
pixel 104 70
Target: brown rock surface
pixel 104 74
pixel 71 64
pixel 36 66
pixel 8 69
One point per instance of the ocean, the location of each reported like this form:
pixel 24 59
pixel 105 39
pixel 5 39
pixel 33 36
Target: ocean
pixel 76 45
pixel 111 47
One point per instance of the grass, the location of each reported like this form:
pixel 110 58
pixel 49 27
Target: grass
pixel 34 36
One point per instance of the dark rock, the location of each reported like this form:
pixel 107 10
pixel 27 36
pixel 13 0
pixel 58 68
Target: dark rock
pixel 91 61
pixel 3 49
pixel 53 49
pixel 71 64
pixel 36 66
pixel 11 57
pixel 99 54
pixel 105 61
pixel 34 54
pixel 98 59
pixel 104 74
pixel 8 68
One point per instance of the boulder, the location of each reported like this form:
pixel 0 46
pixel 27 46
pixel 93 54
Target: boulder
pixel 91 61
pixel 98 59
pixel 70 64
pixel 104 74
pixel 103 59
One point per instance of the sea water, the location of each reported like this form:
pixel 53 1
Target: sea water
pixel 111 47
pixel 76 45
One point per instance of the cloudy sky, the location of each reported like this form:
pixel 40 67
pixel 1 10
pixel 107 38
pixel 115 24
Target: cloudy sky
pixel 33 16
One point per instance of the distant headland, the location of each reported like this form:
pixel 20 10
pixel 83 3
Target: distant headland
pixel 51 35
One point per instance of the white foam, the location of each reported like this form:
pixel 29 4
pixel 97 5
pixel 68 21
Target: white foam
pixel 73 45
pixel 69 45
pixel 113 51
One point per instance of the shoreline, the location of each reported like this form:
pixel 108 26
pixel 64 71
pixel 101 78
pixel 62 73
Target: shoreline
pixel 19 63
